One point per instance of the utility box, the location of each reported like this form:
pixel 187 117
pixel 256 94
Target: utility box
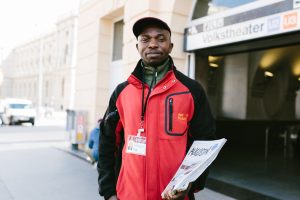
pixel 77 127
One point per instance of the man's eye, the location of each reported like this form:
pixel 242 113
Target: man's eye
pixel 161 39
pixel 144 39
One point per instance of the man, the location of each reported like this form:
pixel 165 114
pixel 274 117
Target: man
pixel 151 121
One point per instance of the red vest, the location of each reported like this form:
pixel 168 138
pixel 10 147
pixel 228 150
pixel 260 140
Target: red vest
pixel 168 112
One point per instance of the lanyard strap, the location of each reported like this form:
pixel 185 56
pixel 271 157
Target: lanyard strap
pixel 144 104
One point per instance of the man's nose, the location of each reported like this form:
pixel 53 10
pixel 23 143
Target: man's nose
pixel 153 43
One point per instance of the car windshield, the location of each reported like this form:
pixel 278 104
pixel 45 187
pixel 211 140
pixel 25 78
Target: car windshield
pixel 19 106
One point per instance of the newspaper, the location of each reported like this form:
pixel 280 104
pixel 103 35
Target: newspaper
pixel 198 158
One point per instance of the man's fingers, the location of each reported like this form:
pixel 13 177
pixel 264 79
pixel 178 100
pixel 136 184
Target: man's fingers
pixel 175 194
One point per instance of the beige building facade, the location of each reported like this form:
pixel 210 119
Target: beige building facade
pixel 106 45
pixel 43 70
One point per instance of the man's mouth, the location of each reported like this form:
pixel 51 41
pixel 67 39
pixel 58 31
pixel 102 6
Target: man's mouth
pixel 153 53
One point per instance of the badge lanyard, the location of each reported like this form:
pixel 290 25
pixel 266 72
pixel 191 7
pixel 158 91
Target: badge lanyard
pixel 137 144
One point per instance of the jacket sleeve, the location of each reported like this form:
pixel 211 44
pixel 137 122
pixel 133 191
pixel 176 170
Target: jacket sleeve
pixel 108 149
pixel 202 127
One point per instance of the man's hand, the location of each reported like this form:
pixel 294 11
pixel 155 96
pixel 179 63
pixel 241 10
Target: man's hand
pixel 179 195
pixel 114 197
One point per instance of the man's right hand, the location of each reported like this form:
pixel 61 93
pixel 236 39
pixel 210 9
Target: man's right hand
pixel 114 197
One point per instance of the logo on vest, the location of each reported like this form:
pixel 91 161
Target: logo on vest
pixel 182 116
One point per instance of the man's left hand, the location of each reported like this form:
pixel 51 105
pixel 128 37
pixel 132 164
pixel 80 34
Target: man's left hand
pixel 179 195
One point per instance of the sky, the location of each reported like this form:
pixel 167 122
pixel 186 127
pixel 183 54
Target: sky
pixel 24 20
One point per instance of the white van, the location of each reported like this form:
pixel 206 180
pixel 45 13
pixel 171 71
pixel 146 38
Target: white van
pixel 17 111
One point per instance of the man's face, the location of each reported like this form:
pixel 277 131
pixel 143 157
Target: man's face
pixel 154 45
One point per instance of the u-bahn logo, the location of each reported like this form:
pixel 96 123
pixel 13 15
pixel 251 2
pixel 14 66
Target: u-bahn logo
pixel 274 24
pixel 290 20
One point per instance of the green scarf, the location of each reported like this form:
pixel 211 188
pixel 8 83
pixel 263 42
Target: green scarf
pixel 161 72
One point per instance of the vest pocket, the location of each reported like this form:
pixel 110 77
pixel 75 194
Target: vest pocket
pixel 177 110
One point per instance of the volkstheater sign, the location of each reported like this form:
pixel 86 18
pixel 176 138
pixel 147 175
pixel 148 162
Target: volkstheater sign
pixel 256 20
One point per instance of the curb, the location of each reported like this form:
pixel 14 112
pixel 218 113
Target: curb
pixel 77 153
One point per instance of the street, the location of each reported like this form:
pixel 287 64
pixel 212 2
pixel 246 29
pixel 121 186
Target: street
pixel 37 164
pixel 34 165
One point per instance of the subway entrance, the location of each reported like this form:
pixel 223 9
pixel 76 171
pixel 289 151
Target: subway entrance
pixel 255 97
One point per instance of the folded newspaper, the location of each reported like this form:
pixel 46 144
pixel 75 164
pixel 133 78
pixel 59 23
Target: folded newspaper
pixel 198 158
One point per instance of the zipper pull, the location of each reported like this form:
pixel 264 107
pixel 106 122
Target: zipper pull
pixel 155 77
pixel 170 114
pixel 154 80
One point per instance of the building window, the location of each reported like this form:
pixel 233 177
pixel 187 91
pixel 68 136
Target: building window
pixel 47 89
pixel 49 59
pixel 29 89
pixel 118 40
pixel 34 89
pixel 63 87
pixel 66 54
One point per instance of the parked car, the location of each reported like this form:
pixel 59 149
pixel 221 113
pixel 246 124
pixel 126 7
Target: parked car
pixel 17 111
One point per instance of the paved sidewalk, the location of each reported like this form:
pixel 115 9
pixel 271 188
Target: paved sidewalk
pixel 206 194
pixel 46 174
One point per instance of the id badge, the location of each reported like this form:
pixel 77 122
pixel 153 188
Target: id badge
pixel 136 145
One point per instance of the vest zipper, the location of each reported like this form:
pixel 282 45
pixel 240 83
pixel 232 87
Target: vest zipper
pixel 170 114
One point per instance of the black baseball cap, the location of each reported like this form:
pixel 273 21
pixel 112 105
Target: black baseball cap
pixel 142 23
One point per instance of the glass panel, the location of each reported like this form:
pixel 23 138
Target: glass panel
pixel 19 106
pixel 118 40
pixel 209 7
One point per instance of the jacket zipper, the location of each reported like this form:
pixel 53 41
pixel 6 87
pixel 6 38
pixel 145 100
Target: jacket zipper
pixel 170 114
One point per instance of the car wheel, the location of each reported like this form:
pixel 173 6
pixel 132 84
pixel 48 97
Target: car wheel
pixel 11 121
pixel 32 122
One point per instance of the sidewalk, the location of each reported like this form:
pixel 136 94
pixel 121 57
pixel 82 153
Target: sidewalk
pixel 206 194
pixel 46 174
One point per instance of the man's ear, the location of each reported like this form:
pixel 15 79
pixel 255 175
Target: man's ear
pixel 171 47
pixel 137 46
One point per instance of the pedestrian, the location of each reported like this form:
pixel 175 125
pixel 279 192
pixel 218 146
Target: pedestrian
pixel 151 121
pixel 94 142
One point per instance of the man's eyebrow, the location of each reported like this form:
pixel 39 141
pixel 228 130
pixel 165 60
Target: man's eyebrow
pixel 161 34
